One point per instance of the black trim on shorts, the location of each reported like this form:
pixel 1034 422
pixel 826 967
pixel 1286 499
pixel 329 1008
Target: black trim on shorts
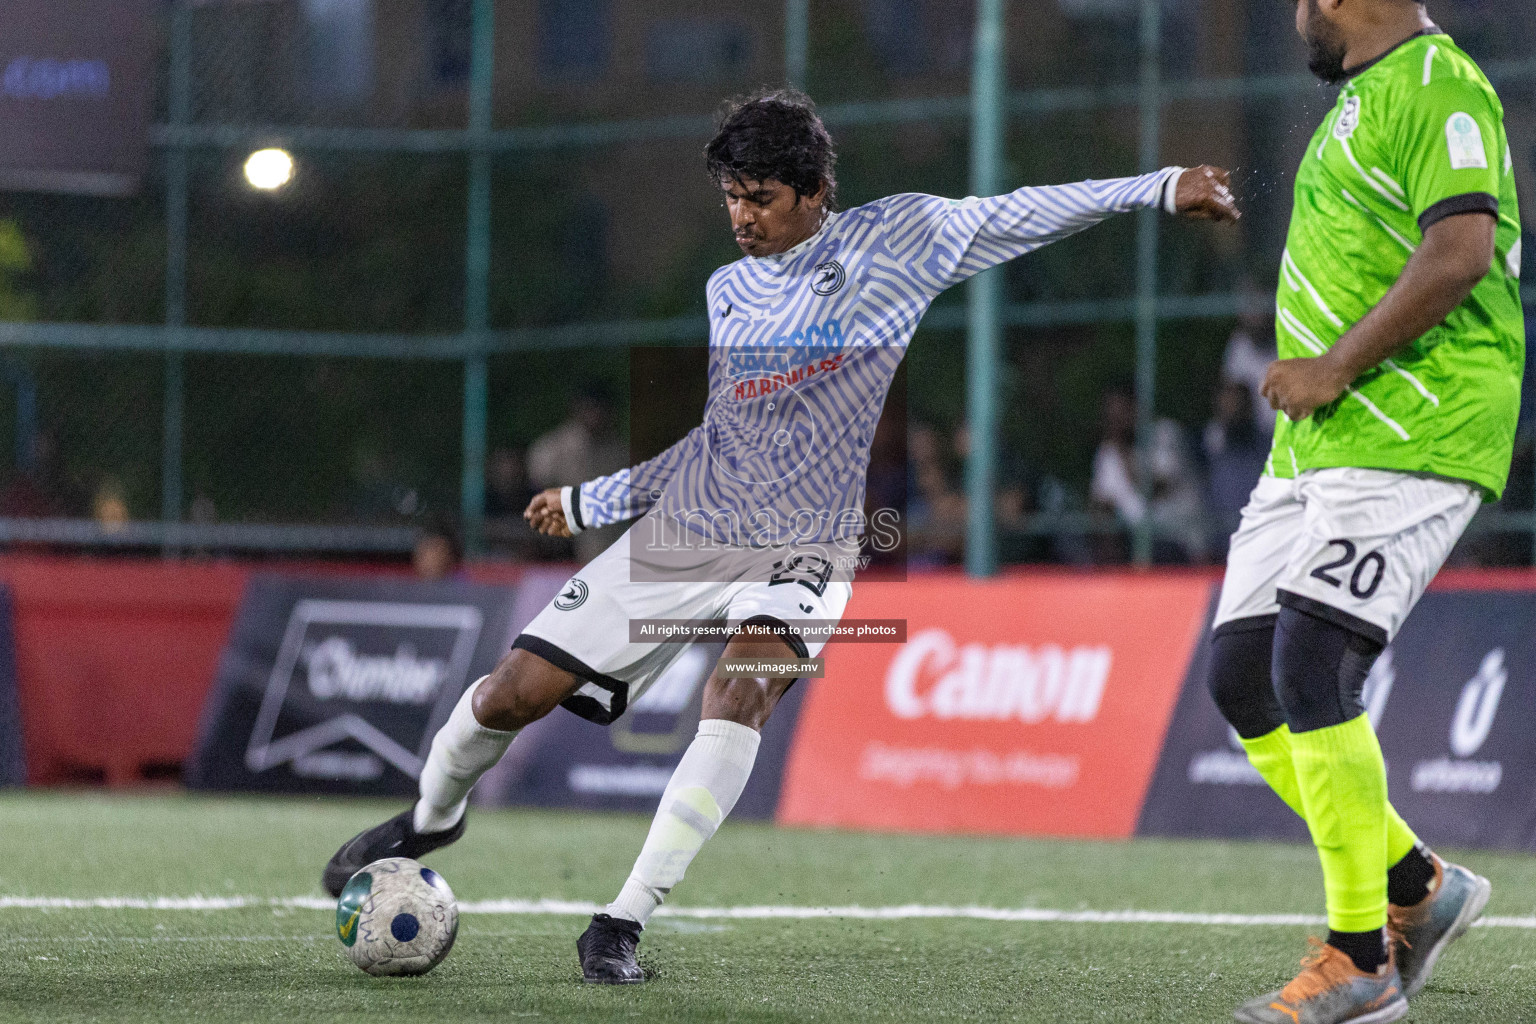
pixel 1328 613
pixel 578 703
pixel 783 631
pixel 1247 624
pixel 1467 202
pixel 576 507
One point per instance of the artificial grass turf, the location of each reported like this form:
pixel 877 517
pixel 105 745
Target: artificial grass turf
pixel 282 964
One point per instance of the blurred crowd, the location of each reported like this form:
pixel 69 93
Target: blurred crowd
pixel 1187 489
pixel 1190 490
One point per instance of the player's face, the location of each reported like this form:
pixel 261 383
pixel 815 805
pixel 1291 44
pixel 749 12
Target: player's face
pixel 1325 43
pixel 767 217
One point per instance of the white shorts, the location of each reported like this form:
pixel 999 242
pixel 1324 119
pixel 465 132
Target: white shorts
pixel 586 630
pixel 1355 546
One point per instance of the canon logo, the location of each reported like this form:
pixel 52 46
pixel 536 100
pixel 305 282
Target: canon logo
pixel 932 675
pixel 337 671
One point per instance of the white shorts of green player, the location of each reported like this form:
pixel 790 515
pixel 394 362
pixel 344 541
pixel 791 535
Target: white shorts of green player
pixel 1354 546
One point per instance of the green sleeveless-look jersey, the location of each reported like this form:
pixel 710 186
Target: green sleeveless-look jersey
pixel 1416 136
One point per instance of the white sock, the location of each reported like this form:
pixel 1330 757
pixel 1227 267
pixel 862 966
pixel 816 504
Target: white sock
pixel 706 785
pixel 462 751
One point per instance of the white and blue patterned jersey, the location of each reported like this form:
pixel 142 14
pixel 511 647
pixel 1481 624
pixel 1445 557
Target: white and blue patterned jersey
pixel 803 347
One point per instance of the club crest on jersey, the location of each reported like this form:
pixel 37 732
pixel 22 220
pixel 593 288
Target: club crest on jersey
pixel 1349 118
pixel 828 277
pixel 574 594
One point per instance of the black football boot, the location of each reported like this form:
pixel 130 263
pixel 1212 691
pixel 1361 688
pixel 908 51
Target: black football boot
pixel 396 837
pixel 607 951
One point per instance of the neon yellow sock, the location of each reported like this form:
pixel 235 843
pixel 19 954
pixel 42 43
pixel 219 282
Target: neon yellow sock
pixel 1342 780
pixel 1271 755
pixel 1400 838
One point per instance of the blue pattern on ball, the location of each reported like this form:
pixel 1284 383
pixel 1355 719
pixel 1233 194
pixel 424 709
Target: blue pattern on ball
pixel 432 878
pixel 404 927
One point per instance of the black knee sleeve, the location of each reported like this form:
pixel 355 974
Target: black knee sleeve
pixel 1320 670
pixel 1239 676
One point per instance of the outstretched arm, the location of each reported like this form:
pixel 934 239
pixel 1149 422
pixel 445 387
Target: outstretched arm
pixel 565 511
pixel 944 241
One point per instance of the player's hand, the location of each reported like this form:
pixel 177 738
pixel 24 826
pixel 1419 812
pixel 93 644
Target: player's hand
pixel 1299 387
pixel 546 515
pixel 1205 193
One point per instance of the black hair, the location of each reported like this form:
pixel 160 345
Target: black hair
pixel 774 134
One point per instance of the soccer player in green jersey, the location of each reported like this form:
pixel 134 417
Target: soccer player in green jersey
pixel 1402 347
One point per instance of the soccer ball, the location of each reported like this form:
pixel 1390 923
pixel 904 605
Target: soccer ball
pixel 396 917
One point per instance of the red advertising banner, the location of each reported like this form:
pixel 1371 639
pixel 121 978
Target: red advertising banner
pixel 1025 705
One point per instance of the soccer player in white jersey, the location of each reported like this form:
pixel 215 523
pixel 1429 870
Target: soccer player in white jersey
pixel 755 517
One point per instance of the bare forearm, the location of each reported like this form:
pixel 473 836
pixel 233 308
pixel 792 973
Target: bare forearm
pixel 1423 296
pixel 1455 255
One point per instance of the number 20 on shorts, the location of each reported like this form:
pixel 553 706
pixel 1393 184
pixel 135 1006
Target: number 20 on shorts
pixel 1365 578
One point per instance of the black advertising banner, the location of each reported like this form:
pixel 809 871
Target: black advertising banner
pixel 1453 701
pixel 1204 785
pixel 75 92
pixel 1459 731
pixel 566 761
pixel 337 686
pixel 13 765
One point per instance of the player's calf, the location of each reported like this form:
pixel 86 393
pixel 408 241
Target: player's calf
pixel 522 689
pixel 488 716
pixel 703 790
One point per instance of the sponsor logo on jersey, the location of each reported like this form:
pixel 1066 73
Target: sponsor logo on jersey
pixel 782 354
pixel 756 387
pixel 573 596
pixel 828 277
pixel 1464 139
pixel 932 676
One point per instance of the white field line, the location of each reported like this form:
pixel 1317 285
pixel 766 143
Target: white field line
pixel 577 908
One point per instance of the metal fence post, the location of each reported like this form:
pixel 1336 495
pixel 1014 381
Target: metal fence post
pixel 797 30
pixel 984 295
pixel 1146 267
pixel 174 398
pixel 477 271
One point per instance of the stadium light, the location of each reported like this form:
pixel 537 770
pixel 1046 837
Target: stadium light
pixel 269 169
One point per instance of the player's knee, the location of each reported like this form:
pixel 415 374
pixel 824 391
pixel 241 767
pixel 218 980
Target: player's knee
pixel 745 701
pixel 1320 670
pixel 512 696
pixel 1239 677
